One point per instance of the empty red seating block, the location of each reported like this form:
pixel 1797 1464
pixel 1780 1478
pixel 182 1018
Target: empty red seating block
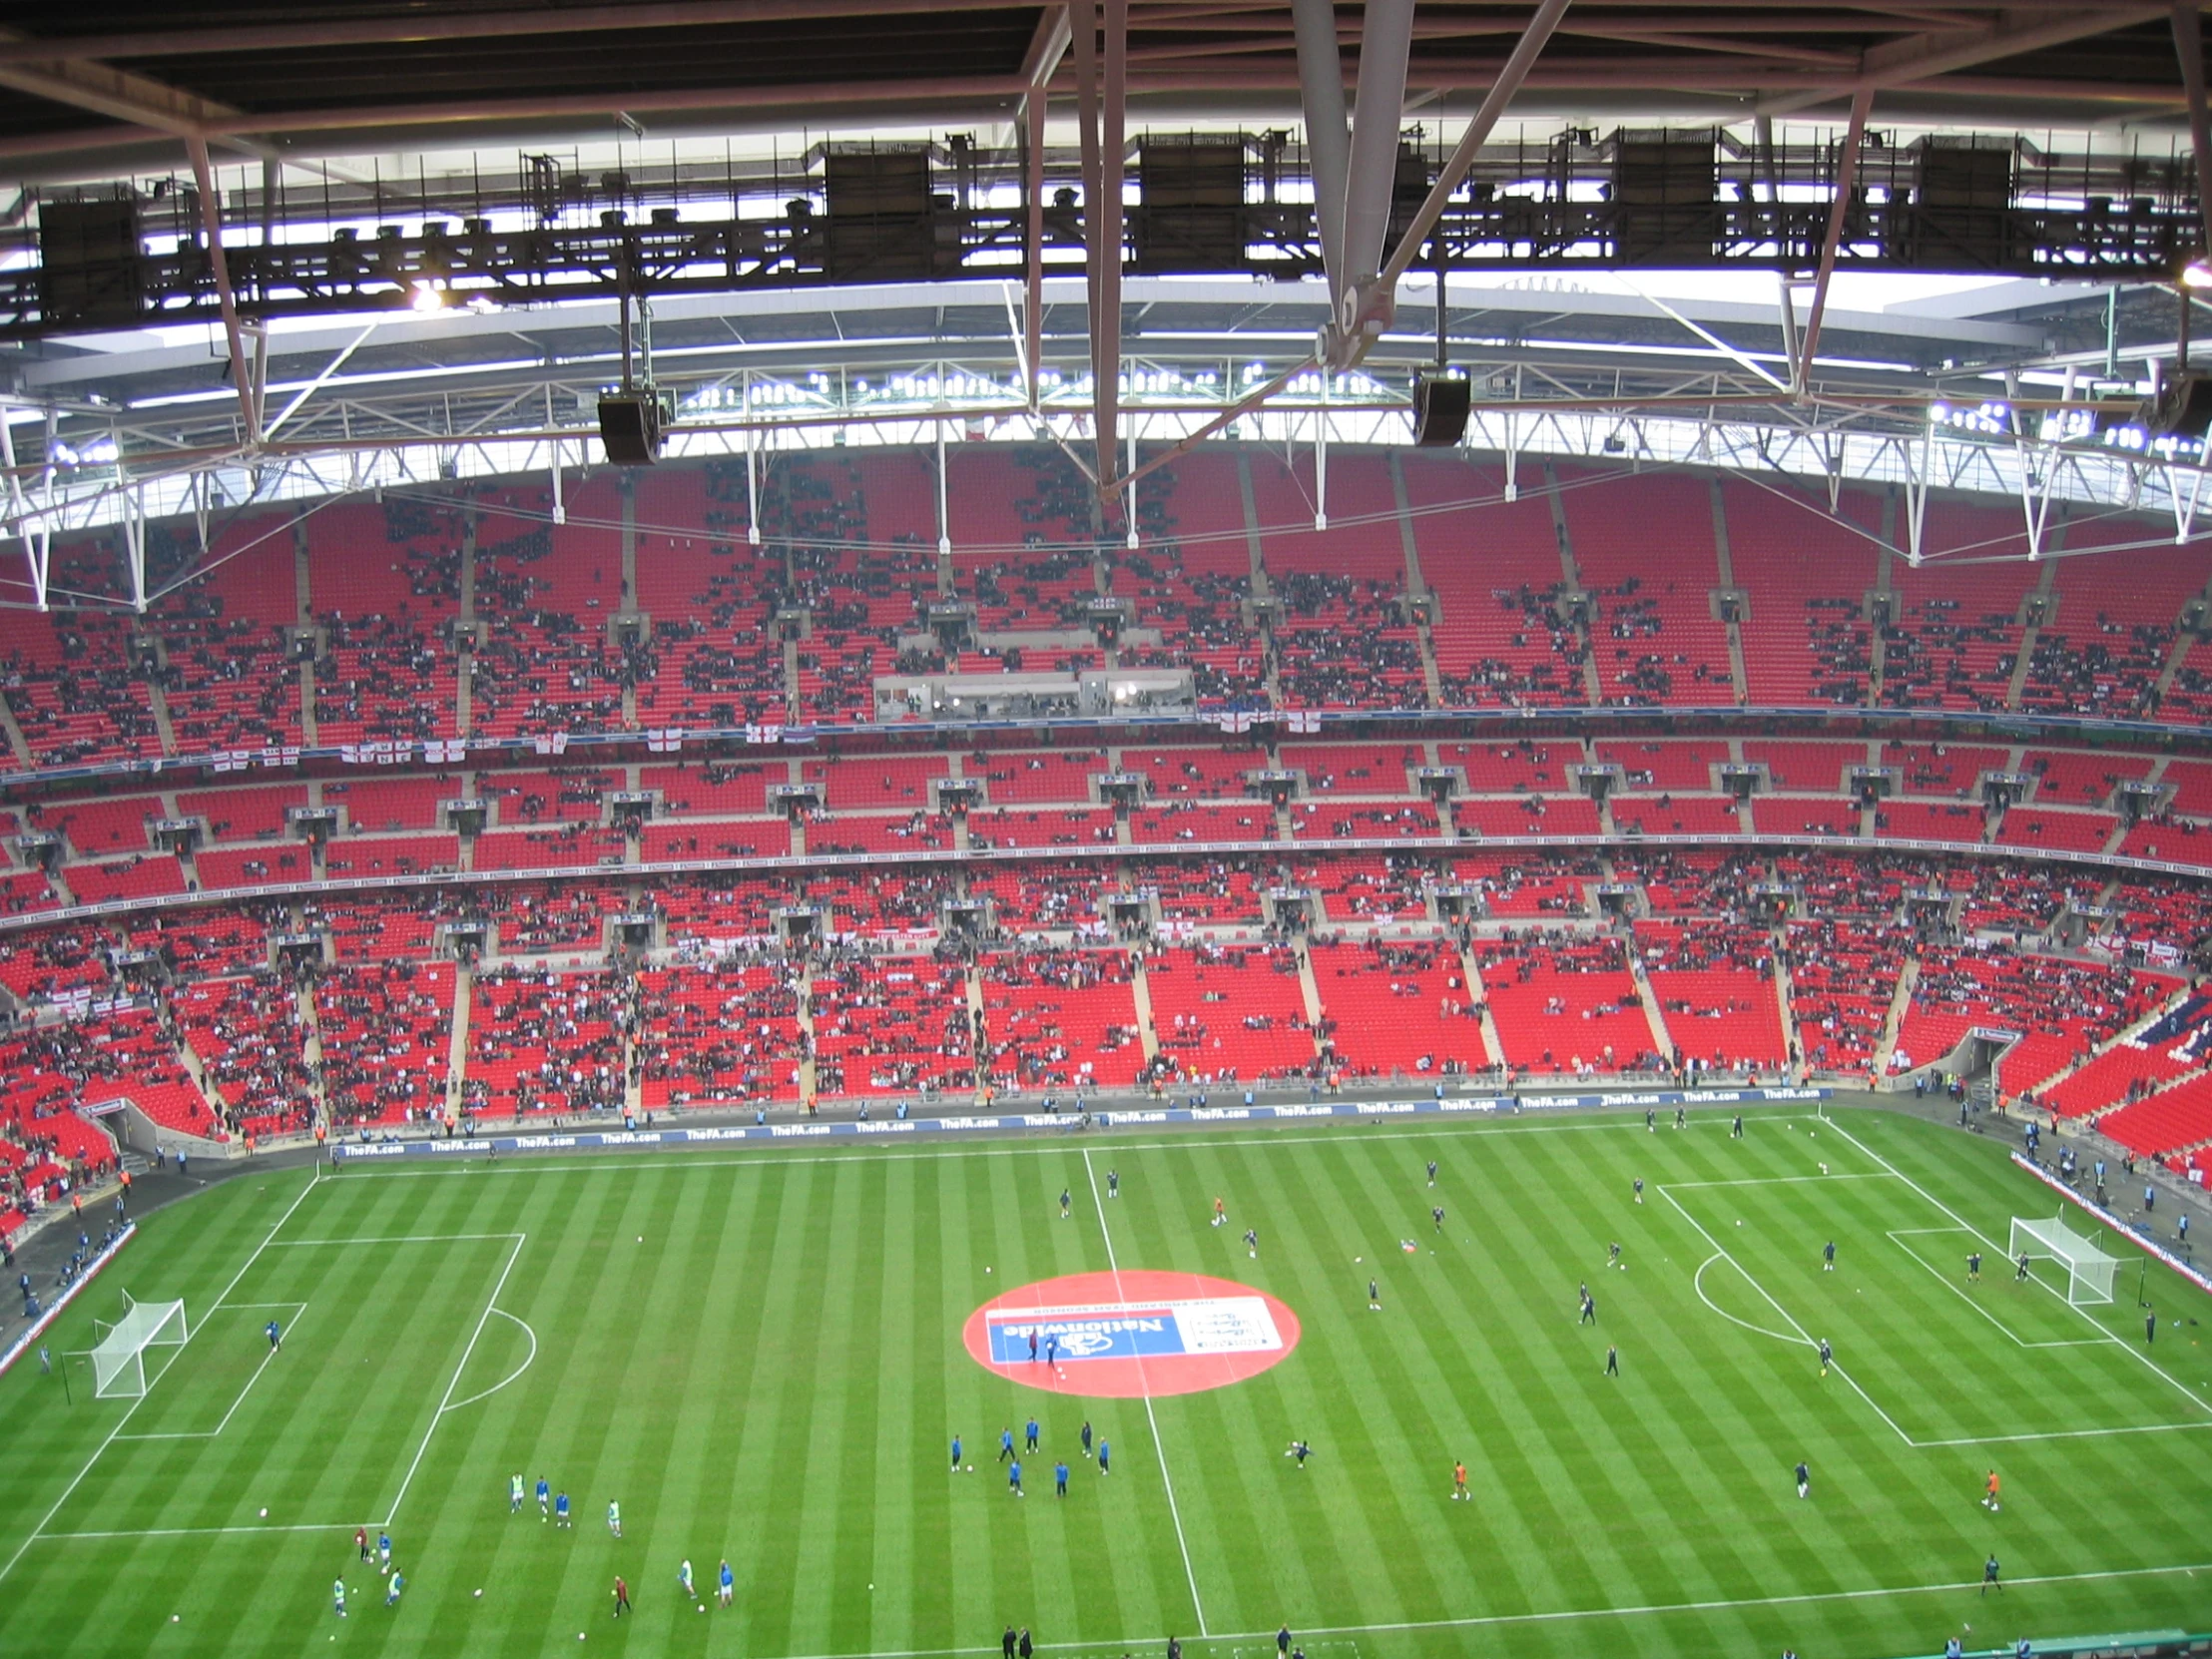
pixel 252 866
pixel 1545 814
pixel 671 842
pixel 1399 1009
pixel 1343 821
pixel 1235 1015
pixel 2175 1119
pixel 1565 1004
pixel 2075 832
pixel 548 848
pixel 385 805
pixel 149 875
pixel 1253 822
pixel 360 856
pixel 95 827
pixel 1654 638
pixel 1531 885
pixel 1494 568
pixel 1061 1020
pixel 243 814
pixel 1021 776
pixel 913 833
pixel 1676 814
pixel 1040 827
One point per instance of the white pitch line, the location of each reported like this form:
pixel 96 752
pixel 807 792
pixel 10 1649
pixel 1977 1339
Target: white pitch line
pixel 2069 1435
pixel 197 1531
pixel 1159 1447
pixel 531 1359
pixel 411 1238
pixel 444 1404
pixel 1943 1279
pixel 763 1156
pixel 2125 1347
pixel 296 1308
pixel 1803 1337
pixel 78 1481
pixel 1556 1616
pixel 1697 1283
pixel 1786 1180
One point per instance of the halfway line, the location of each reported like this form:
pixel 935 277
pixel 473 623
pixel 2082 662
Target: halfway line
pixel 1159 1449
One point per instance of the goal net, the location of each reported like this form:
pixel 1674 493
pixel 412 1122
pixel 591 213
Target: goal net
pixel 119 1357
pixel 2088 1269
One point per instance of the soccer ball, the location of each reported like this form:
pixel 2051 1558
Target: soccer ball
pixel 703 1607
pixel 479 1594
pixel 264 1515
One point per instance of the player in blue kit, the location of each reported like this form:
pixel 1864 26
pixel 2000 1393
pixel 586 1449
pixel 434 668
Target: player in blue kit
pixel 560 1510
pixel 1013 1477
pixel 1105 1457
pixel 1060 1479
pixel 956 1455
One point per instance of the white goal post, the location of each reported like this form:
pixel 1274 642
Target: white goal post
pixel 119 1357
pixel 2090 1271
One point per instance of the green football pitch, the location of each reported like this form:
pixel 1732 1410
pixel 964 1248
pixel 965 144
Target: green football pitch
pixel 761 1358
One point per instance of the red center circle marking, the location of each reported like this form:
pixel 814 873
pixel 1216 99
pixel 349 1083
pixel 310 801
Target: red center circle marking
pixel 1124 1336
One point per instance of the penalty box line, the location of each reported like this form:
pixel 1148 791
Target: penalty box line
pixel 2125 1347
pixel 295 1309
pixel 313 1179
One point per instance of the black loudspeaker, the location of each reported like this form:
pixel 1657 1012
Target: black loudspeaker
pixel 2185 409
pixel 1440 404
pixel 630 428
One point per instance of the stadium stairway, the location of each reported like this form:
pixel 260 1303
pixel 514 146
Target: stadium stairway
pixel 456 1047
pixel 1417 586
pixel 1482 995
pixel 1571 573
pixel 803 1018
pixel 310 1051
pixel 1783 997
pixel 1652 1011
pixel 1739 679
pixel 157 700
pixel 16 745
pixel 1893 1021
pixel 1140 987
pixel 2019 681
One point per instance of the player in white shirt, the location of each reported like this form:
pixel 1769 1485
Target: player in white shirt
pixel 682 1577
pixel 614 1517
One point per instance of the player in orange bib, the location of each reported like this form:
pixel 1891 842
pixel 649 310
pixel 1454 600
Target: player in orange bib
pixel 1459 1481
pixel 1989 1501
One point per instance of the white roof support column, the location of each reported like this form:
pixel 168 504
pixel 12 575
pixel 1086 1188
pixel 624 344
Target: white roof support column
pixel 134 544
pixel 945 523
pixel 1358 327
pixel 210 218
pixel 1320 85
pixel 1372 173
pixel 1847 179
pixel 1320 454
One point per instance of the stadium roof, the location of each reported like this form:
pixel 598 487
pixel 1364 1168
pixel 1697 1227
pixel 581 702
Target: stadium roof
pixel 271 76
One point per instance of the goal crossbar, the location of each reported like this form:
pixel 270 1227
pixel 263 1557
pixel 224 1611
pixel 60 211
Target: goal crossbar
pixel 119 1357
pixel 2089 1272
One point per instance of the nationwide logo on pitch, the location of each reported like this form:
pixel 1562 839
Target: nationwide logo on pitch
pixel 1126 1330
pixel 1130 1335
